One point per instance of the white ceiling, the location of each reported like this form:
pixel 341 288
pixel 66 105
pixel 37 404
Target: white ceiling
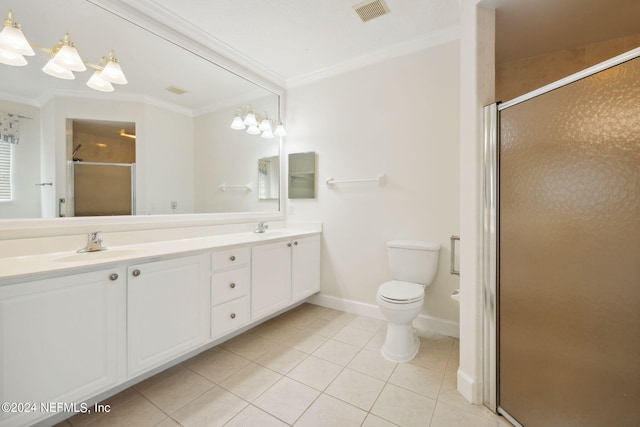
pixel 294 39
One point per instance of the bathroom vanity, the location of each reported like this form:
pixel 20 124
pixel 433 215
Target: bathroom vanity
pixel 75 328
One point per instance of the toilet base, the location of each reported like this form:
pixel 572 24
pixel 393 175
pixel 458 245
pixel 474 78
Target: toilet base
pixel 401 343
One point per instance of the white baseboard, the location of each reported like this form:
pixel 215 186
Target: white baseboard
pixel 469 389
pixel 422 322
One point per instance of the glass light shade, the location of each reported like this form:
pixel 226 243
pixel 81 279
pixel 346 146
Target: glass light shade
pixel 12 58
pixel 253 130
pixel 267 134
pixel 98 83
pixel 69 58
pixel 250 120
pixel 280 130
pixel 113 73
pixel 13 40
pixel 265 125
pixel 237 123
pixel 55 70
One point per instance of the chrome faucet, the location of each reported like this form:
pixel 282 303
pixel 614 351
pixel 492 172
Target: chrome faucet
pixel 94 243
pixel 262 227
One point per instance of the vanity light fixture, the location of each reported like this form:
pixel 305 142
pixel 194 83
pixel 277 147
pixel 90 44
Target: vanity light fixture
pixel 64 60
pixel 256 124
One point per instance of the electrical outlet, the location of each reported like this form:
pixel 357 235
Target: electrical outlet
pixel 174 204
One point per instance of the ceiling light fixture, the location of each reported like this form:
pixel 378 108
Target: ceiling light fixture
pixel 256 124
pixel 65 58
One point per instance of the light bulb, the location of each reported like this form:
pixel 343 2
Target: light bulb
pixel 98 83
pixel 253 130
pixel 112 72
pixel 55 70
pixel 69 58
pixel 250 120
pixel 237 123
pixel 12 58
pixel 280 130
pixel 12 38
pixel 267 134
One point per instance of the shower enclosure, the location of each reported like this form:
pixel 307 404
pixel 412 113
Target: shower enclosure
pixel 562 251
pixel 102 189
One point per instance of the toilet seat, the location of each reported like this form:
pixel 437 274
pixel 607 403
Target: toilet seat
pixel 398 292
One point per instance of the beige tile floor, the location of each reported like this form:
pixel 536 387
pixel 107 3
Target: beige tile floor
pixel 311 366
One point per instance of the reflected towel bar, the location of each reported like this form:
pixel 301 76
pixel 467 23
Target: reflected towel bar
pixel 380 179
pixel 240 187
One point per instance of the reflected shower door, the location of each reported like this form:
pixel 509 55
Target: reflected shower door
pixel 103 189
pixel 569 254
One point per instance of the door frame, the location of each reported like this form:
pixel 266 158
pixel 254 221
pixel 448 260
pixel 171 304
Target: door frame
pixel 490 221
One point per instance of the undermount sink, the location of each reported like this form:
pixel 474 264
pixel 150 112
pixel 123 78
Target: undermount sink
pixel 98 255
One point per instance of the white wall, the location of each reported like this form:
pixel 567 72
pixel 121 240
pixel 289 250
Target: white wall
pixel 225 155
pixel 167 155
pixel 399 117
pixel 26 195
pixel 164 150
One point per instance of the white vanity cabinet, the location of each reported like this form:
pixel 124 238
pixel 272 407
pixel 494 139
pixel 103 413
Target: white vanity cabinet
pixel 59 340
pixel 167 310
pixel 270 278
pixel 282 273
pixel 230 290
pixel 305 267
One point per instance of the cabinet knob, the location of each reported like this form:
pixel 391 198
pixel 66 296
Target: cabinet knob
pixel 233 315
pixel 295 243
pixel 113 276
pixel 135 272
pixel 232 257
pixel 232 285
pixel 289 244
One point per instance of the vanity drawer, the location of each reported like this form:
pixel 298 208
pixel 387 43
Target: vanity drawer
pixel 230 258
pixel 230 285
pixel 228 317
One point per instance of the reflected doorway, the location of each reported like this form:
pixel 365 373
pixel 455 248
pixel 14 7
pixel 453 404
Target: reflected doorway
pixel 101 156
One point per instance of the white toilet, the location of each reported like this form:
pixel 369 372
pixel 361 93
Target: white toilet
pixel 413 267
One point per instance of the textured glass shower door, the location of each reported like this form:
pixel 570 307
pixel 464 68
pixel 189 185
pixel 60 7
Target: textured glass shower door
pixel 569 254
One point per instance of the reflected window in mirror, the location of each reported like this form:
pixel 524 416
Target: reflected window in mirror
pixel 302 175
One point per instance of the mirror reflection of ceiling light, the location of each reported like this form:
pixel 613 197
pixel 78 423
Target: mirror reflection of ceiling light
pixel 127 135
pixel 65 58
pixel 256 124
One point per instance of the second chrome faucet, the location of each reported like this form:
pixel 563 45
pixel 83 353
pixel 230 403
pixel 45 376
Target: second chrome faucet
pixel 94 243
pixel 262 227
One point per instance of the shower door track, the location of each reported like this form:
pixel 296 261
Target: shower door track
pixel 490 248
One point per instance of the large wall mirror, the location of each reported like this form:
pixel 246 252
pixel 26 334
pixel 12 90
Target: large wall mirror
pixel 174 115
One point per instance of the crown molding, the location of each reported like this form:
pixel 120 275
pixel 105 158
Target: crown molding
pixel 431 40
pixel 157 19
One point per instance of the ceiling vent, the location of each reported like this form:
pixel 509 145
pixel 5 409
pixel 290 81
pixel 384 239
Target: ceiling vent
pixel 371 9
pixel 176 90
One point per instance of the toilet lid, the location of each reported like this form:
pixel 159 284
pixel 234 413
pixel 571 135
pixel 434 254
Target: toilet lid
pixel 396 290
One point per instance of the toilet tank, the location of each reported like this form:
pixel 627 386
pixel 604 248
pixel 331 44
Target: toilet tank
pixel 413 261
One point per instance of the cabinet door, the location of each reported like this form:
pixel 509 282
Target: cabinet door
pixel 59 339
pixel 305 268
pixel 270 278
pixel 168 310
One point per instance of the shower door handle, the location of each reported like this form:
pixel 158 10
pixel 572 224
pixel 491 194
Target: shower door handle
pixel 453 270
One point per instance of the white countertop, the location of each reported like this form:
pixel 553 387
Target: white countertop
pixel 25 266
